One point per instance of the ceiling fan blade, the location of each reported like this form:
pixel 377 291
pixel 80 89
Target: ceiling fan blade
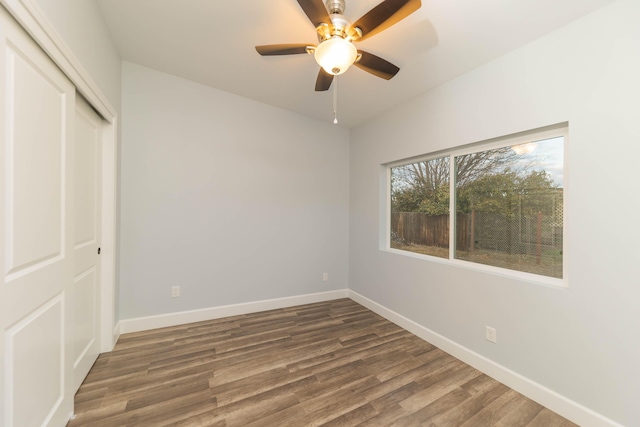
pixel 377 66
pixel 324 80
pixel 282 49
pixel 384 15
pixel 315 11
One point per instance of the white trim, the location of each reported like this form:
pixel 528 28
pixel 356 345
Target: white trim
pixel 31 17
pixel 108 235
pixel 183 317
pixel 116 333
pixel 522 276
pixel 565 407
pixel 385 208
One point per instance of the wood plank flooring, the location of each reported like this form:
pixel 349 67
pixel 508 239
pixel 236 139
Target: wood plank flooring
pixel 333 363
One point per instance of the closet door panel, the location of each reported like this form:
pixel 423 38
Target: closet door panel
pixel 37 191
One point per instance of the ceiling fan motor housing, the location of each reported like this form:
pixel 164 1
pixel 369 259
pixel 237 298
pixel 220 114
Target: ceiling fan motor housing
pixel 339 26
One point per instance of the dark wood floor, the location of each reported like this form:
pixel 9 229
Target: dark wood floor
pixel 334 363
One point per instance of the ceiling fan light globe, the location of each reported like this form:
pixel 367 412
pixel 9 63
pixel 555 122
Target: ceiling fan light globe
pixel 335 55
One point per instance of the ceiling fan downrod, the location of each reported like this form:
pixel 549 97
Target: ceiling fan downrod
pixel 335 6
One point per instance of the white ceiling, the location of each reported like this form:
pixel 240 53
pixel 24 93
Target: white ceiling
pixel 212 42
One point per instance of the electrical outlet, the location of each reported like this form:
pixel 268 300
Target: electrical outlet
pixel 491 334
pixel 175 291
pixel 325 277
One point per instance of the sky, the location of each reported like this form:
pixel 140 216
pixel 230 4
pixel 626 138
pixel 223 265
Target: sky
pixel 547 155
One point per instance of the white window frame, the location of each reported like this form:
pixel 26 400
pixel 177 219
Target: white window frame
pixel 559 130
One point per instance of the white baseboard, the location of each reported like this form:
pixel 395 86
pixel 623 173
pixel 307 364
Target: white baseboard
pixel 116 333
pixel 569 409
pixel 180 318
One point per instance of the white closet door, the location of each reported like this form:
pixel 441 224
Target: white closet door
pixel 86 283
pixel 36 233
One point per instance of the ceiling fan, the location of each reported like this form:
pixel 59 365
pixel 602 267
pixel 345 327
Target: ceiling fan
pixel 336 52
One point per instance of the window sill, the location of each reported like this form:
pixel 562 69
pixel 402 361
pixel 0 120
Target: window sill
pixel 521 276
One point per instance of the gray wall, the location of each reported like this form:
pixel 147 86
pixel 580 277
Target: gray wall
pixel 582 341
pixel 233 200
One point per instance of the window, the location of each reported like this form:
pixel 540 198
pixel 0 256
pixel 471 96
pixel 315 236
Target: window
pixel 507 197
pixel 420 207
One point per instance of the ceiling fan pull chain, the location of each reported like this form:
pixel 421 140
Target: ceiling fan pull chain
pixel 335 100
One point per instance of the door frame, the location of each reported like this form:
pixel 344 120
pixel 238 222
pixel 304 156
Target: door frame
pixel 31 17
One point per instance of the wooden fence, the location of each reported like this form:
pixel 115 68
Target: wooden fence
pixel 489 231
pixel 416 228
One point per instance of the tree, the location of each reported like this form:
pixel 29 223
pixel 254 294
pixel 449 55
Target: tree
pixel 508 193
pixel 489 193
pixel 471 167
pixel 421 187
pixel 424 186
